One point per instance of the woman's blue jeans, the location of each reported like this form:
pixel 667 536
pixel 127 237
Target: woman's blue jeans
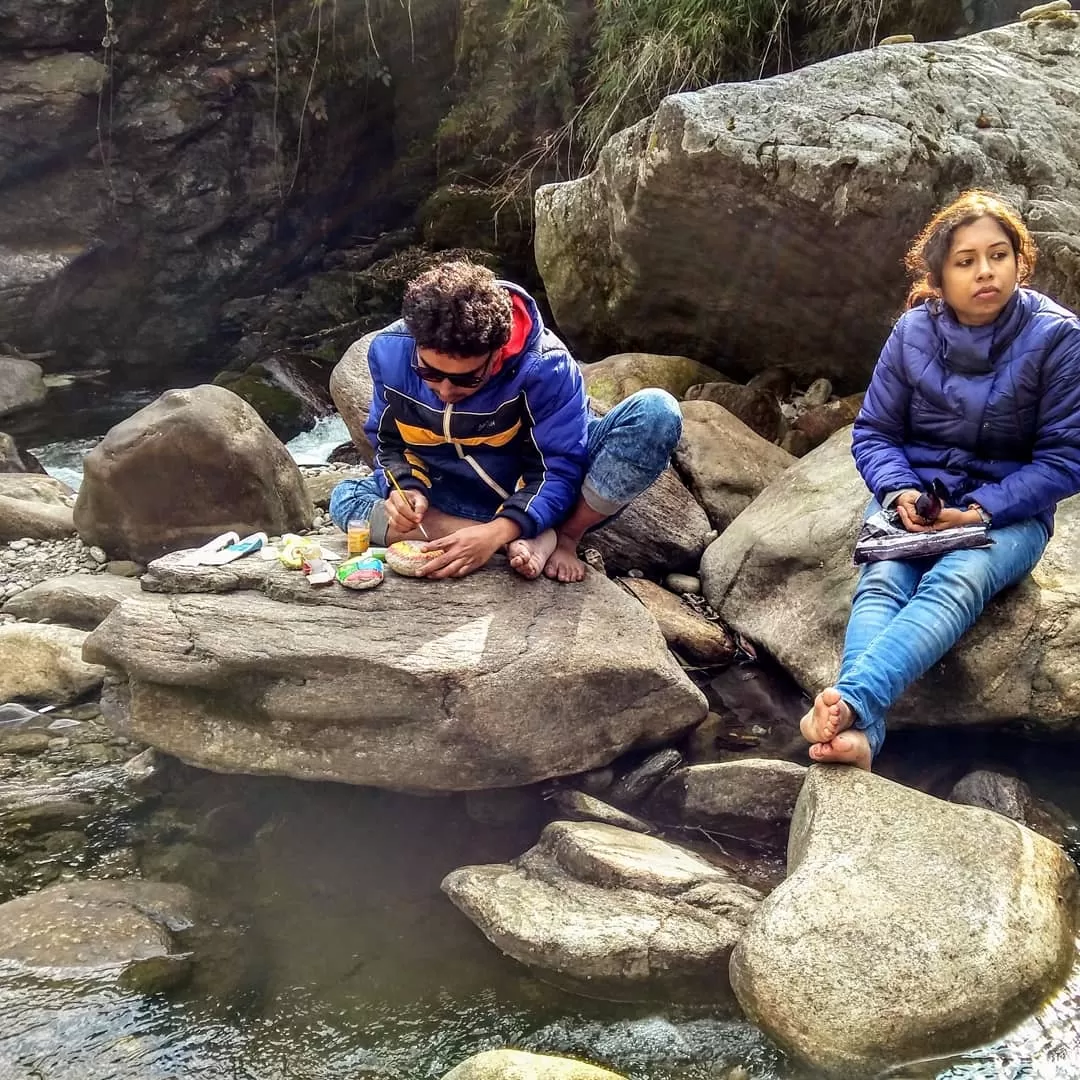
pixel 628 450
pixel 908 613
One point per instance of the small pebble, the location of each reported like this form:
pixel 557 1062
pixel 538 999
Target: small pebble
pixel 683 583
pixel 59 743
pixel 98 556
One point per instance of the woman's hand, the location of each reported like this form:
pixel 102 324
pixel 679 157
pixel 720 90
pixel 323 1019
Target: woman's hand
pixel 952 519
pixel 905 508
pixel 469 549
pixel 949 518
pixel 404 514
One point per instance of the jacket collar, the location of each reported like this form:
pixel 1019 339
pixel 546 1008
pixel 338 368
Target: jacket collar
pixel 972 350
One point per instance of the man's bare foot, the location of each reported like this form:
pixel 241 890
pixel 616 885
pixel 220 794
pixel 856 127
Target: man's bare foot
pixel 564 565
pixel 529 557
pixel 829 716
pixel 848 748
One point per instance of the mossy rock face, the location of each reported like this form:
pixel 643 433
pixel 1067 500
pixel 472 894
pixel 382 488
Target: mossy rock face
pixel 474 217
pixel 284 414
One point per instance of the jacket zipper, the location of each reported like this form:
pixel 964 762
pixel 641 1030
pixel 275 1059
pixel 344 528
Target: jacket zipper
pixel 476 466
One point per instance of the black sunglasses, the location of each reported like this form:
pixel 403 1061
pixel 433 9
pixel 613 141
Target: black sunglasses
pixel 466 379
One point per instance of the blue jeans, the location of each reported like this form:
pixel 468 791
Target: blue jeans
pixel 628 450
pixel 908 613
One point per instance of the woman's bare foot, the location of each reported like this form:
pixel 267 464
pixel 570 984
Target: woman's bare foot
pixel 529 557
pixel 564 565
pixel 848 748
pixel 829 716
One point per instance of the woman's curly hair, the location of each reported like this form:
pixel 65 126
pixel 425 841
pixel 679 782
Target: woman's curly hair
pixel 458 308
pixel 926 257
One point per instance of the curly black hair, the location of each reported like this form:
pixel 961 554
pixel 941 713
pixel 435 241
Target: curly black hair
pixel 458 308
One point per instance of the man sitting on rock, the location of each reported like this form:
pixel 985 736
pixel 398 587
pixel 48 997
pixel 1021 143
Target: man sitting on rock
pixel 479 413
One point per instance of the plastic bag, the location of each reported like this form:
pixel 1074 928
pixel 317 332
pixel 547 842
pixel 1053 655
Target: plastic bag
pixel 883 536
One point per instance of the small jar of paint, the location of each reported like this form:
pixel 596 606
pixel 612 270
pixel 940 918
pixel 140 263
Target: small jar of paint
pixel 358 533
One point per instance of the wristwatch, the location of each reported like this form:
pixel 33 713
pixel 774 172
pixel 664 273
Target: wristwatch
pixel 986 518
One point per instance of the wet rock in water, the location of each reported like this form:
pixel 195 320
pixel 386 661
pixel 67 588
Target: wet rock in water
pixel 21 384
pixel 635 785
pixel 191 465
pixel 615 378
pixel 34 507
pixel 752 799
pixel 758 409
pixel 1011 797
pixel 13 459
pixel 612 913
pixel 782 575
pixel 39 662
pixel 120 928
pixel 850 155
pixel 577 806
pixel 518 1065
pixel 908 927
pixel 723 462
pixel 78 600
pixel 275 677
pixel 351 388
pixel 685 631
pixel 662 530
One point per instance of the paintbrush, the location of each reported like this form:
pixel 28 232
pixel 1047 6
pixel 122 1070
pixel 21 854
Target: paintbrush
pixel 397 488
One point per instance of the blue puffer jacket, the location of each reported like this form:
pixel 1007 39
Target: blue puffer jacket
pixel 992 412
pixel 516 448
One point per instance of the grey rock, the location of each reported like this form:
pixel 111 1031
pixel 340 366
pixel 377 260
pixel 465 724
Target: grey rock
pixel 908 927
pixel 319 488
pixel 102 927
pixel 685 630
pixel 817 393
pixel 724 463
pixel 758 409
pixel 13 459
pixel 612 912
pixel 615 378
pixel 21 383
pixel 1010 796
pixel 191 465
pixel 577 806
pixel 790 551
pixel 330 684
pixel 351 388
pixel 777 179
pixel 682 584
pixel 518 1065
pixel 44 663
pixel 635 785
pixel 752 799
pixel 34 506
pixel 662 530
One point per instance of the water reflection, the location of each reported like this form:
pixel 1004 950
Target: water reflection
pixel 356 965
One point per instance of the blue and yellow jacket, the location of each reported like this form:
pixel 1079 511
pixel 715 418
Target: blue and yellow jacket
pixel 516 448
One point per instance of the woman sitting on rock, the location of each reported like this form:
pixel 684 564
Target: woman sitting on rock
pixel 978 389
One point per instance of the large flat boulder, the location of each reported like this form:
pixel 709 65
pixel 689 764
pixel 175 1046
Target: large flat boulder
pixel 907 928
pixel 191 465
pixel 34 507
pixel 797 196
pixel 782 574
pixel 611 912
pixel 490 681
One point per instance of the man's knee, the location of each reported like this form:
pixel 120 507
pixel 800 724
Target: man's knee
pixel 656 415
pixel 352 499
